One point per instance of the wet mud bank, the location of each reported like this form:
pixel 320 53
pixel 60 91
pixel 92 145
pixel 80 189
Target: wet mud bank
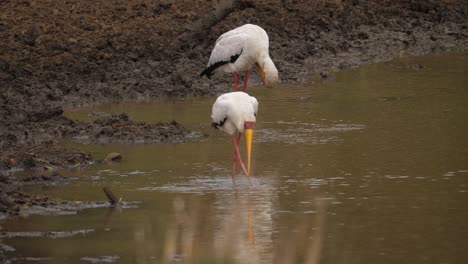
pixel 40 160
pixel 37 147
pixel 68 53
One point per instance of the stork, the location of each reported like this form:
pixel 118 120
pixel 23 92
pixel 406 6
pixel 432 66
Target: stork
pixel 239 49
pixel 235 113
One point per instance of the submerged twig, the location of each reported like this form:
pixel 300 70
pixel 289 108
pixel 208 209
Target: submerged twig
pixel 112 198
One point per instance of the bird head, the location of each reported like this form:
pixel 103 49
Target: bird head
pixel 268 71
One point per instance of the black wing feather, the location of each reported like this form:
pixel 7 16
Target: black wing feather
pixel 218 125
pixel 209 70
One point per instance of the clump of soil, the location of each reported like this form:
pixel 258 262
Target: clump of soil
pixel 44 156
pixel 40 160
pixel 12 199
pixel 36 145
pixel 118 128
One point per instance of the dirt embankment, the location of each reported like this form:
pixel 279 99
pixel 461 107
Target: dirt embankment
pixel 67 52
pixel 56 53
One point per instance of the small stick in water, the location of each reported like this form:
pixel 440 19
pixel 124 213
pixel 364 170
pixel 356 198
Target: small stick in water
pixel 110 195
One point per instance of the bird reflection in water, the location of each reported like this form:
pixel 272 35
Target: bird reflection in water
pixel 240 231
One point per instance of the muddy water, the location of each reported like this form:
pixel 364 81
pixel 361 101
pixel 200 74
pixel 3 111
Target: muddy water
pixel 369 168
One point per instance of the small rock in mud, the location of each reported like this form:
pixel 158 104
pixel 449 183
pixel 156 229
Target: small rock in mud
pixel 113 157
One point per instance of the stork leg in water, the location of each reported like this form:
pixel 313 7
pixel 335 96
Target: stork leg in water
pixel 237 157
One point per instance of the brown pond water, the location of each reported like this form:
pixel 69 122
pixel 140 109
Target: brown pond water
pixel 369 168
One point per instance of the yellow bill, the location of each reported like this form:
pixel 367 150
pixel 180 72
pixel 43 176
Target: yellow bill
pixel 248 141
pixel 261 71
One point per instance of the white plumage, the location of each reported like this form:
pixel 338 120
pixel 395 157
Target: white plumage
pixel 232 110
pixel 239 49
pixel 235 113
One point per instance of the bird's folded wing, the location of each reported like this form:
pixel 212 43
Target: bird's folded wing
pixel 220 109
pixel 228 48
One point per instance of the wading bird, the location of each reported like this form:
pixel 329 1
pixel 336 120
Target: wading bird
pixel 240 48
pixel 235 113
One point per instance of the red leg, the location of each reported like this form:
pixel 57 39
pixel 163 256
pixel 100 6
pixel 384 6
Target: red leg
pixel 246 79
pixel 234 163
pixel 235 81
pixel 236 149
pixel 234 170
pixel 235 158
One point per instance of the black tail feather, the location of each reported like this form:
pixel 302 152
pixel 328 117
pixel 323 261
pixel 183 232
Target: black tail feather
pixel 219 124
pixel 209 71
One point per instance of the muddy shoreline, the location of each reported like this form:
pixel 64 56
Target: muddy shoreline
pixel 71 54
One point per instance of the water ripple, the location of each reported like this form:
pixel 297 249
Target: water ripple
pixel 304 133
pixel 101 259
pixel 209 184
